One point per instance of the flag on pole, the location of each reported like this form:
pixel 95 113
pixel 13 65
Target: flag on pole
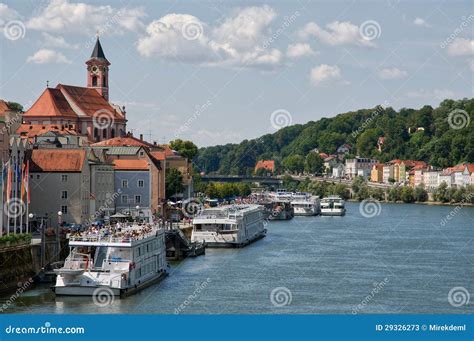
pixel 26 179
pixel 9 182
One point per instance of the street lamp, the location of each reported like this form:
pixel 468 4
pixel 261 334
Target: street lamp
pixel 58 241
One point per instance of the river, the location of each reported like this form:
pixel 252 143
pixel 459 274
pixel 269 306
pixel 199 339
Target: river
pixel 406 259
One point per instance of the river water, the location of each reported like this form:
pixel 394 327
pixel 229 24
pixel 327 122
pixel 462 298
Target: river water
pixel 406 259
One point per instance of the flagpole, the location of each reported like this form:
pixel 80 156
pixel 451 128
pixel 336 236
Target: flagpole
pixel 21 199
pixel 1 200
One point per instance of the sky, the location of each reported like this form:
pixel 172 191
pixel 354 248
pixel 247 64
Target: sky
pixel 218 72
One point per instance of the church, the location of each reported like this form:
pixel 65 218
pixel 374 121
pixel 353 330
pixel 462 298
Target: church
pixel 83 110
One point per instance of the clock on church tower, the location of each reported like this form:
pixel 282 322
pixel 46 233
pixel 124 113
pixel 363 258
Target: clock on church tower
pixel 98 71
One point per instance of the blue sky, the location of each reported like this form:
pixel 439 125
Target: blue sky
pixel 223 71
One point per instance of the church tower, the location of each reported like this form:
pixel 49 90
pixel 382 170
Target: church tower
pixel 98 71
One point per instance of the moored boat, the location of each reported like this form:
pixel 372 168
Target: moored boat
pixel 333 206
pixel 229 226
pixel 116 260
pixel 304 204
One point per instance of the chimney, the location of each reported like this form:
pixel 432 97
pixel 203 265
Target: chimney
pixel 154 143
pixel 141 137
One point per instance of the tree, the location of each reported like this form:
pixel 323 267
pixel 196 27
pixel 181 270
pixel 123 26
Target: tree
pixel 377 193
pixel 406 194
pixel 187 149
pixel 314 164
pixel 294 163
pixel 442 193
pixel 420 194
pixel 394 194
pixel 174 183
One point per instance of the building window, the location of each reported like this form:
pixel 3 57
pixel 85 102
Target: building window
pixel 37 176
pixel 63 194
pixel 104 81
pixel 138 199
pixel 94 81
pixel 142 153
pixel 112 133
pixel 64 177
pixel 96 132
pixel 124 183
pixel 64 209
pixel 124 199
pixel 104 133
pixel 141 183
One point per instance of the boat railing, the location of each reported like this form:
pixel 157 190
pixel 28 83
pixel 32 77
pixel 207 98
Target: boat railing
pixel 77 263
pixel 95 238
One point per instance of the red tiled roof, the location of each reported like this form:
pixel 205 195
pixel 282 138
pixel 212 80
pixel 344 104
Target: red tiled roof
pixel 160 156
pixel 50 103
pixel 265 164
pixel 71 101
pixel 57 160
pixel 323 155
pixel 127 164
pixel 125 141
pixel 88 100
pixel 32 130
pixel 3 107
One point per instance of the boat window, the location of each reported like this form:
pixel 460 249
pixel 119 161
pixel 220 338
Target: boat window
pixel 119 254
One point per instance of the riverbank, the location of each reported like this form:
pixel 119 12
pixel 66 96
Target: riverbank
pixel 427 203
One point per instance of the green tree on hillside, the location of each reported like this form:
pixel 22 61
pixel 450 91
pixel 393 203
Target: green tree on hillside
pixel 314 164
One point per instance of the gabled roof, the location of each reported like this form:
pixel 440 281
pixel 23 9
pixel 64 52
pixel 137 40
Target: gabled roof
pixel 124 141
pixel 126 164
pixel 72 101
pixel 3 107
pixel 57 160
pixel 51 103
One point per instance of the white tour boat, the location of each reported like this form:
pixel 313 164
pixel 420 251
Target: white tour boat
pixel 332 206
pixel 120 260
pixel 229 226
pixel 305 204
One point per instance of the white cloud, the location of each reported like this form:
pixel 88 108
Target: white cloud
pixel 336 33
pixel 438 94
pixel 7 14
pixel 392 73
pixel 325 73
pixel 57 41
pixel 299 50
pixel 461 47
pixel 238 41
pixel 46 56
pixel 421 22
pixel 63 16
